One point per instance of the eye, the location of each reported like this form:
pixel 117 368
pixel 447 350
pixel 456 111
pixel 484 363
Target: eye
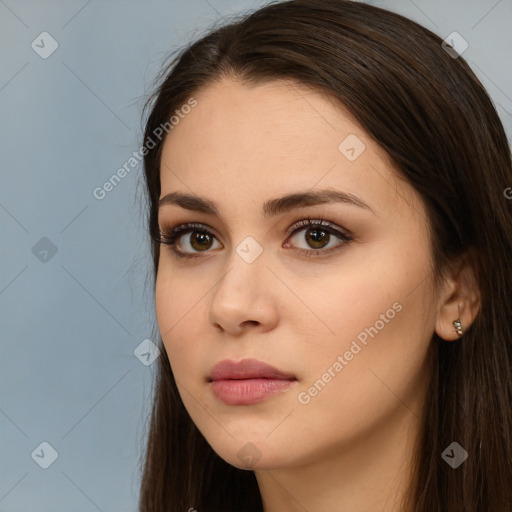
pixel 200 239
pixel 318 235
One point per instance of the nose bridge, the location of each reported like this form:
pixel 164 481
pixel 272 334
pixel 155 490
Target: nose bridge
pixel 245 268
pixel 241 295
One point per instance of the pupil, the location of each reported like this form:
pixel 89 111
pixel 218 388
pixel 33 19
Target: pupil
pixel 316 236
pixel 200 238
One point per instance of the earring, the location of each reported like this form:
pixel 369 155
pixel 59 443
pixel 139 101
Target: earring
pixel 458 327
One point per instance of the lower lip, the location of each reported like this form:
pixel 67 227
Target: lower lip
pixel 248 391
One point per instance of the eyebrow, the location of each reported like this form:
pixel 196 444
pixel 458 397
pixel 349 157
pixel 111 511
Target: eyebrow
pixel 270 208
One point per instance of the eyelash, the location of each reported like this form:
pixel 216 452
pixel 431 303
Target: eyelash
pixel 168 236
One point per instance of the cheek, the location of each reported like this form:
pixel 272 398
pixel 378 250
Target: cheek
pixel 178 295
pixel 378 298
pixel 177 317
pixel 165 304
pixel 373 363
pixel 358 387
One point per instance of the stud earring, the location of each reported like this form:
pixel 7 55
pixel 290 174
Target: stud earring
pixel 458 327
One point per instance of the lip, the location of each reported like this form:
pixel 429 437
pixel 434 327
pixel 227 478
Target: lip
pixel 247 369
pixel 247 381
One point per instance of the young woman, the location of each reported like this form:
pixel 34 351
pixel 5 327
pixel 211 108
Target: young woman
pixel 331 235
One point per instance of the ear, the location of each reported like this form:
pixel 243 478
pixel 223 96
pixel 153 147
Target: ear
pixel 459 298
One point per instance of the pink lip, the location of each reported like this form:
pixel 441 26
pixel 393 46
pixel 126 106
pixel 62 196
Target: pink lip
pixel 247 381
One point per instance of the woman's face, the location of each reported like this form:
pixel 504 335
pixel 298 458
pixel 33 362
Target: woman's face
pixel 348 321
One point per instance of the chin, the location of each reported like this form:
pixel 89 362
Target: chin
pixel 255 454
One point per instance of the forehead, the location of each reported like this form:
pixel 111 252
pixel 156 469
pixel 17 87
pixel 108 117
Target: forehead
pixel 246 143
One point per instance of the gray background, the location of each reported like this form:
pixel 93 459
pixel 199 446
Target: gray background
pixel 71 321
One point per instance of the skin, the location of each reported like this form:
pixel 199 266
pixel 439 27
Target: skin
pixel 349 447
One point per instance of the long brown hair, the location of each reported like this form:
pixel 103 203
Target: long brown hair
pixel 436 122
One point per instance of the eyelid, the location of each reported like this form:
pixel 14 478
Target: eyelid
pixel 318 222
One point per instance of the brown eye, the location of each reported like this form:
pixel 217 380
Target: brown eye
pixel 200 240
pixel 312 237
pixel 317 238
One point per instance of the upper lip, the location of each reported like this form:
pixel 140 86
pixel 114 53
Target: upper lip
pixel 247 369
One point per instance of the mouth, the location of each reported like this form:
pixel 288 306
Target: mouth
pixel 247 369
pixel 247 381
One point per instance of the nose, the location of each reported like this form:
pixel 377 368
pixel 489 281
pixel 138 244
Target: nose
pixel 244 297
